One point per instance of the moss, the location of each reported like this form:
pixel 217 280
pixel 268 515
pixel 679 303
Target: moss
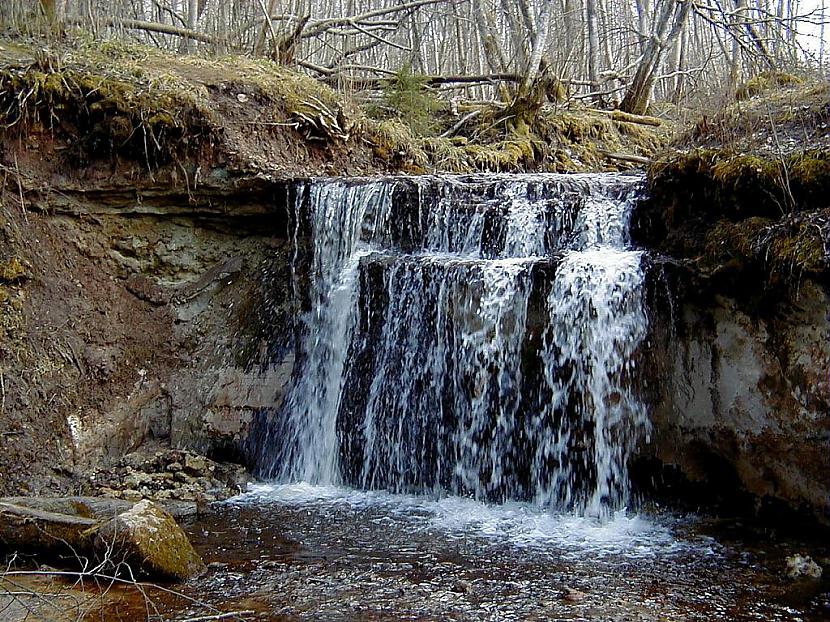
pixel 111 98
pixel 764 82
pixel 13 270
pixel 394 143
pixel 808 175
pixel 150 538
pixel 728 241
pixel 709 184
pixel 799 244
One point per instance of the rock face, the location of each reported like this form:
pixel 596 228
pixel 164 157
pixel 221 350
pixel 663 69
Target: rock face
pixel 151 540
pixel 150 319
pixel 742 398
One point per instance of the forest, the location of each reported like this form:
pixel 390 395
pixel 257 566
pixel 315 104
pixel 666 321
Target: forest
pixel 623 54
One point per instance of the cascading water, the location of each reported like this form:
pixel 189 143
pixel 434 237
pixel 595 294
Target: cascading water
pixel 475 335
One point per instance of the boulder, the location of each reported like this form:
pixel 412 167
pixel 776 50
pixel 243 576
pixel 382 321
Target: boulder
pixel 151 542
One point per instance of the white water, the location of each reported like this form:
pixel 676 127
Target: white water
pixel 424 369
pixel 515 524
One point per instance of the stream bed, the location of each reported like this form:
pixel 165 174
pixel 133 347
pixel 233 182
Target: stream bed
pixel 302 552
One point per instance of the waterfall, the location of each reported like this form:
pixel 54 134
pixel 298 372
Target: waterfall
pixel 472 335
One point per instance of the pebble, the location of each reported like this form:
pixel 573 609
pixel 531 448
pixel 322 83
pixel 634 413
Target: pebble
pixel 802 566
pixel 573 596
pixel 463 587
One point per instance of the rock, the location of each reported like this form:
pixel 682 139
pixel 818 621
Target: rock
pixel 170 474
pixel 741 396
pixel 799 566
pixel 152 542
pixel 462 587
pixel 217 565
pixel 573 596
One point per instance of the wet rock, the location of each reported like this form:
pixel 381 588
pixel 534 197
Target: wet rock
pixel 741 395
pixel 799 566
pixel 217 565
pixel 152 541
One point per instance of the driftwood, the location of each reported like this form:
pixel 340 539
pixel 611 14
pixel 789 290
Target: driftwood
pixel 30 529
pixel 625 157
pixel 98 508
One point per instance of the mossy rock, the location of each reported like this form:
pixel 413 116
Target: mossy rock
pixel 151 542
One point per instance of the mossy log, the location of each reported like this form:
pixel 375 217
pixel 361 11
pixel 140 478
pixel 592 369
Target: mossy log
pixel 25 528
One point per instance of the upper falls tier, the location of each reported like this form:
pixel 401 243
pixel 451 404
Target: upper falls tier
pixel 475 335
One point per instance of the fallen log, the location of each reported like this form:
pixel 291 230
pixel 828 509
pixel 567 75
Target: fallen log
pixel 142 534
pixel 29 529
pixel 626 117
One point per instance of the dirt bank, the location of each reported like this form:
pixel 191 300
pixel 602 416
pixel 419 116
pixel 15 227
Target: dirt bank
pixel 741 305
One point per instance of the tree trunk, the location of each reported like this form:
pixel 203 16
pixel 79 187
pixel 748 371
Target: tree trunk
pixel 638 95
pixel 192 18
pixel 50 10
pixel 593 44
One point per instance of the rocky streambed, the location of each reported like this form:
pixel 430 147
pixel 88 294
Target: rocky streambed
pixel 311 553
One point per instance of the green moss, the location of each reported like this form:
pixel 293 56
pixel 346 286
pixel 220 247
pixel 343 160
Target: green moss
pixel 728 241
pixel 764 82
pixel 808 175
pixel 13 270
pixel 798 246
pixel 394 143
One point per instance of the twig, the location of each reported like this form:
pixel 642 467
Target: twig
pixel 218 616
pixel 461 122
pixel 20 190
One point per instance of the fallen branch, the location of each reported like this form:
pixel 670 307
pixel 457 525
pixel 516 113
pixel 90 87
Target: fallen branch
pixel 625 157
pixel 461 122
pixel 322 25
pixel 165 29
pixel 219 616
pixel 627 117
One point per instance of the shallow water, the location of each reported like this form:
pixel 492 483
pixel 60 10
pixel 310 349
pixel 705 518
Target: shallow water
pixel 323 553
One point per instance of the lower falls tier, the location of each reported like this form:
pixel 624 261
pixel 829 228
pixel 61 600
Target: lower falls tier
pixel 473 335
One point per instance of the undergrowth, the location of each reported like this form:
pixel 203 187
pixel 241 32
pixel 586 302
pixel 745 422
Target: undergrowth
pixel 109 99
